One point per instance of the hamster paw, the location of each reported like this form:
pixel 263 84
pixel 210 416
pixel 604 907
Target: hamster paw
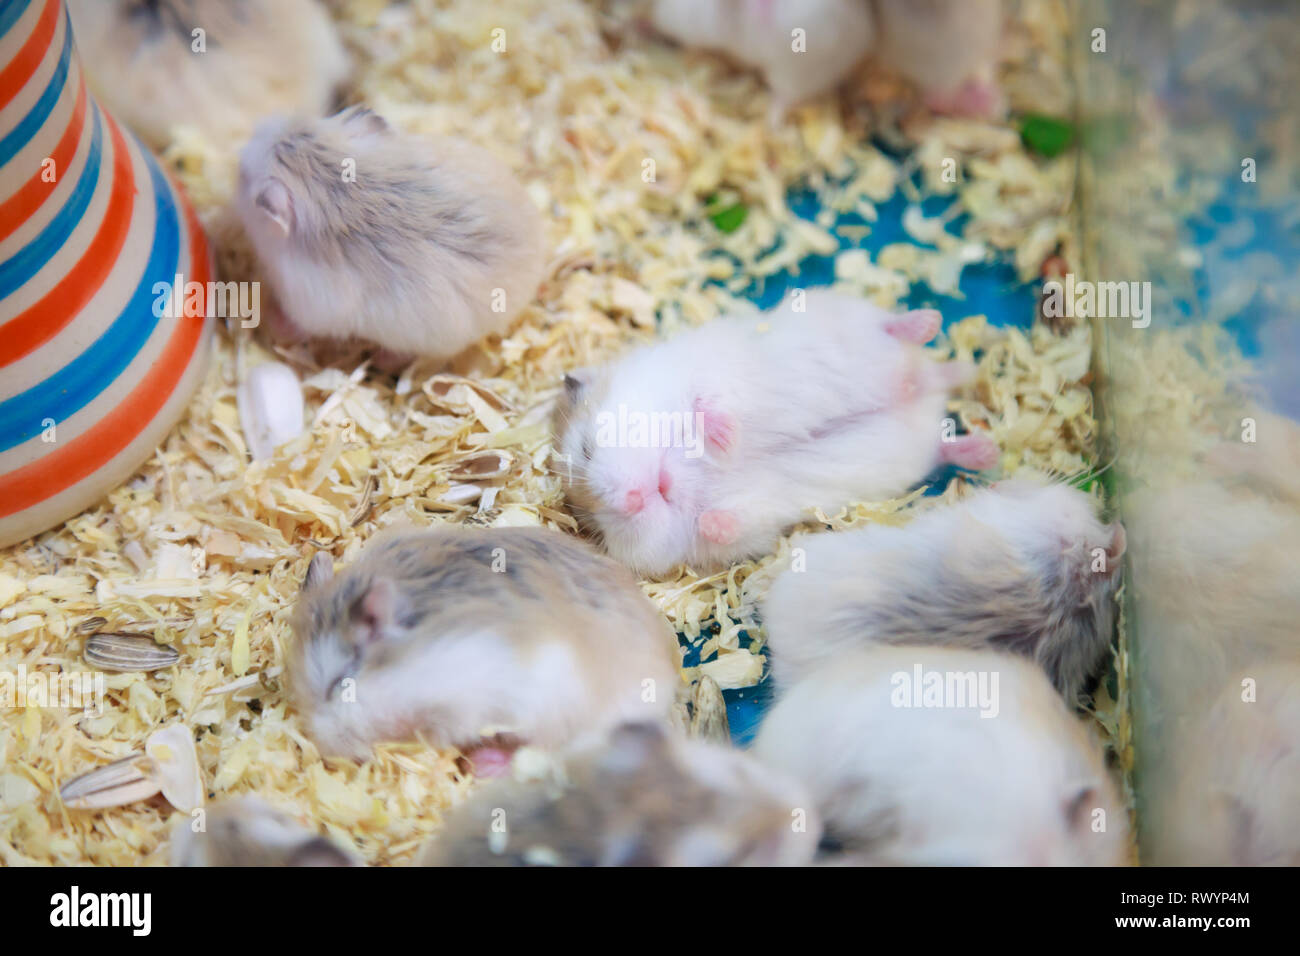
pixel 978 97
pixel 719 527
pixel 489 760
pixel 391 362
pixel 975 451
pixel 918 326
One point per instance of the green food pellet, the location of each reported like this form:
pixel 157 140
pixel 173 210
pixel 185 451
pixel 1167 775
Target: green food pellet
pixel 1046 135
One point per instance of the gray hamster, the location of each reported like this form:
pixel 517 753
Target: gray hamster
pixel 1022 566
pixel 467 636
pixel 423 247
pixel 644 797
pixel 247 831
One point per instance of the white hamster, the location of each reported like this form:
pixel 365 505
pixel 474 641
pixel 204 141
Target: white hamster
pixel 1023 566
pixel 948 48
pixel 421 246
pixel 704 448
pixel 836 35
pixel 247 831
pixel 1229 794
pixel 946 756
pixel 464 636
pixel 216 64
pixel 644 797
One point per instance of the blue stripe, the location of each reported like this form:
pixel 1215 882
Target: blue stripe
pixel 10 14
pixel 30 125
pixel 77 384
pixel 19 268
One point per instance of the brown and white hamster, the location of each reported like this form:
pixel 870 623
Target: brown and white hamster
pixel 461 636
pixel 704 448
pixel 216 64
pixel 1024 566
pixel 423 247
pixel 948 48
pixel 1229 794
pixel 836 36
pixel 946 756
pixel 644 797
pixel 247 831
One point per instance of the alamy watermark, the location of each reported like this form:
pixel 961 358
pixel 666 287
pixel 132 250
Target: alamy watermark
pixel 628 428
pixel 960 690
pixel 215 300
pixel 1105 300
pixel 77 690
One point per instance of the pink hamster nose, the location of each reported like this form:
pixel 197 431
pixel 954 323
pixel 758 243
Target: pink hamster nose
pixel 634 502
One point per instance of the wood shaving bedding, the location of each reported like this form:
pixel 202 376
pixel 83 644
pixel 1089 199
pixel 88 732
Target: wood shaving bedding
pixel 204 550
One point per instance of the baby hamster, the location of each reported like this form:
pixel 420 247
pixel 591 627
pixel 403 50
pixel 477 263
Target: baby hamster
pixel 1230 795
pixel 149 64
pixel 1023 566
pixel 247 831
pixel 644 797
pixel 461 635
pixel 836 35
pixel 423 247
pixel 946 756
pixel 948 48
pixel 704 448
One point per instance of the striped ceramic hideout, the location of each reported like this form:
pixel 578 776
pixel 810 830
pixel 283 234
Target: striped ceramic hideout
pixel 91 379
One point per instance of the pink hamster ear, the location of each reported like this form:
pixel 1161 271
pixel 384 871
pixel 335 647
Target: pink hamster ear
pixel 719 427
pixel 320 571
pixel 378 610
pixel 275 201
pixel 1115 551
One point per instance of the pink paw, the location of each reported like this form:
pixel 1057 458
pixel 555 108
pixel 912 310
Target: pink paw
pixel 976 451
pixel 490 760
pixel 718 426
pixel 919 326
pixel 719 527
pixel 978 97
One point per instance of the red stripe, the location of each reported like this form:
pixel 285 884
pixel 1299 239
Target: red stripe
pixel 56 472
pixel 40 322
pixel 18 208
pixel 22 67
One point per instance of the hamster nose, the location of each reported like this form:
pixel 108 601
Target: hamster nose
pixel 665 484
pixel 633 503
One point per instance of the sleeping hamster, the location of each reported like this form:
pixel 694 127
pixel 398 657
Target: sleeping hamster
pixel 946 756
pixel 1023 566
pixel 704 448
pixel 644 797
pixel 461 635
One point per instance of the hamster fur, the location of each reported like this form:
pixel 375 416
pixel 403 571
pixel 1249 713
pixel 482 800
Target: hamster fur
pixel 258 56
pixel 642 798
pixel 948 48
pixel 1011 567
pixel 1230 795
pixel 776 413
pixel 759 34
pixel 456 634
pixel 432 246
pixel 247 831
pixel 901 781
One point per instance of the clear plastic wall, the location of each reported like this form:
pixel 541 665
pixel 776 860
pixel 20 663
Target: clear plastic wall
pixel 1188 197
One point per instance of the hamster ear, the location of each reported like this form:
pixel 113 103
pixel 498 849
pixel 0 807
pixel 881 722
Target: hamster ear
pixel 576 382
pixel 376 611
pixel 1115 550
pixel 318 852
pixel 1080 804
pixel 363 121
pixel 276 202
pixel 319 571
